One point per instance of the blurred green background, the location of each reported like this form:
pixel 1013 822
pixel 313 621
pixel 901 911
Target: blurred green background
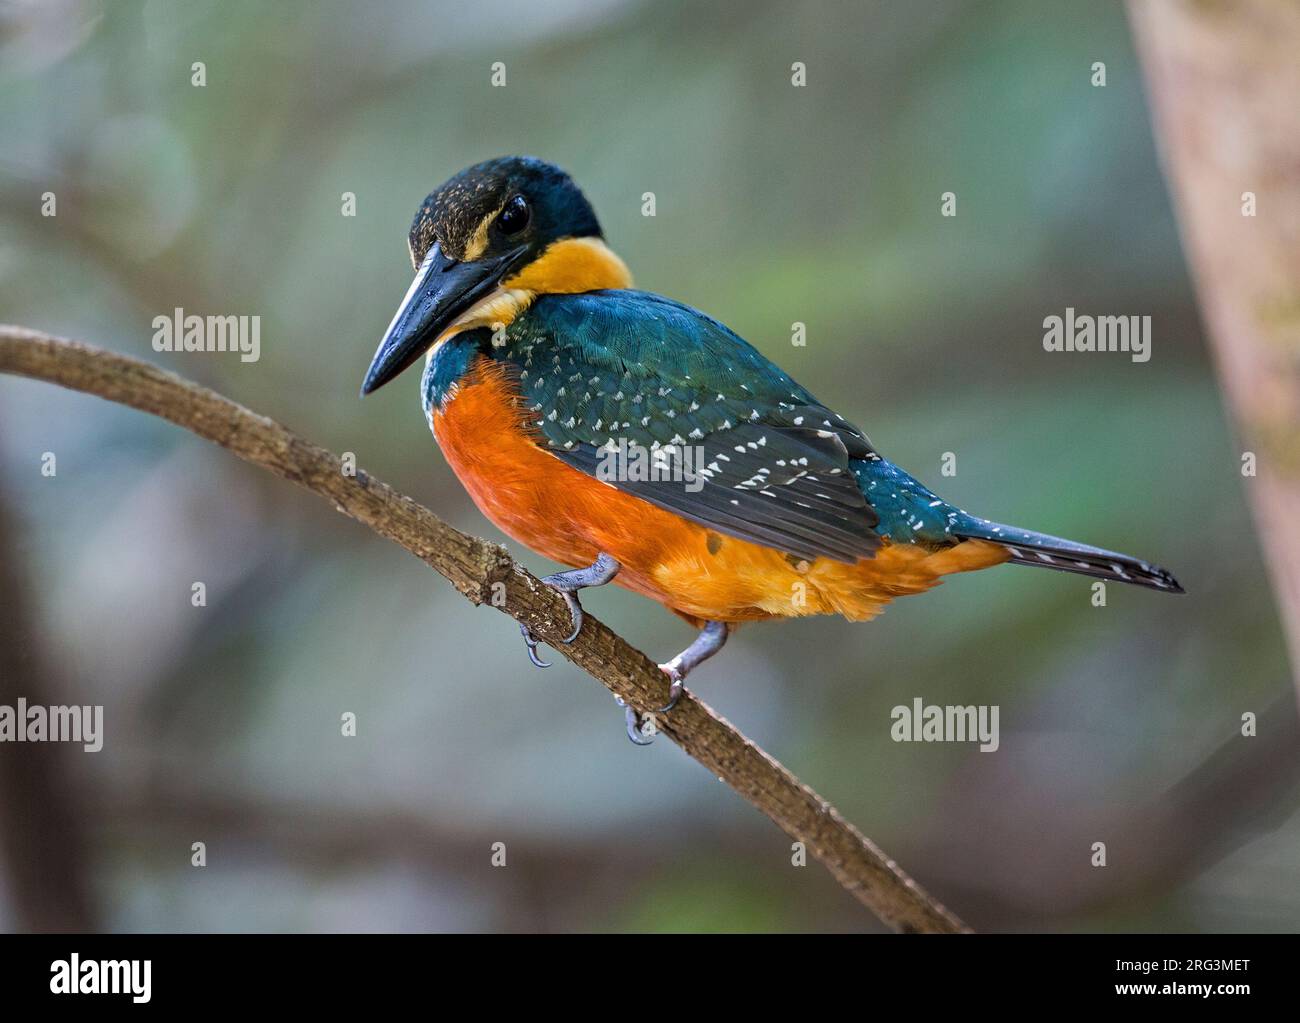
pixel 775 204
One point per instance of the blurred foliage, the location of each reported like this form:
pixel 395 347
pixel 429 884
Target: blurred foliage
pixel 774 204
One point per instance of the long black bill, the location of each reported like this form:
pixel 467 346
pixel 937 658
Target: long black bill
pixel 443 289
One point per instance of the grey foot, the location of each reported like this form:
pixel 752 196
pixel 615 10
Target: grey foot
pixel 568 584
pixel 709 641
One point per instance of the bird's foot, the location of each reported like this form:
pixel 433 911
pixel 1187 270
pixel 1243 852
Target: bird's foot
pixel 677 686
pixel 531 644
pixel 640 728
pixel 567 584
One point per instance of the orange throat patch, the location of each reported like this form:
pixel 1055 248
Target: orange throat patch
pixel 566 267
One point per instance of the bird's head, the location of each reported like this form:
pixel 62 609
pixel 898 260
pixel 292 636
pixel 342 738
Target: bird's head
pixel 484 245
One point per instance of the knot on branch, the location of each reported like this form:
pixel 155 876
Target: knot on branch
pixel 496 573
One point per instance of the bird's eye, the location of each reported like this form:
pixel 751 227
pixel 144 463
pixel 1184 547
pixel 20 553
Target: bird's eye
pixel 514 218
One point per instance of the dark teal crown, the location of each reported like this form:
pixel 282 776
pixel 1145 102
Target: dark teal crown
pixel 454 212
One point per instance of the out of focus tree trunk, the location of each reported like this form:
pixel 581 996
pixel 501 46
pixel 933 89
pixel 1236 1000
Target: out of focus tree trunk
pixel 1224 82
pixel 42 829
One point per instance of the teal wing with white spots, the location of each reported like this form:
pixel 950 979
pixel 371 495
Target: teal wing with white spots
pixel 621 380
pixel 732 442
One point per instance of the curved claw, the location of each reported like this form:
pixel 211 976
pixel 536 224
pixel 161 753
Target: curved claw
pixel 567 584
pixel 638 737
pixel 531 643
pixel 575 611
pixel 675 690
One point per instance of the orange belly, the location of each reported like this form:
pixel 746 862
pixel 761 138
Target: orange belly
pixel 567 516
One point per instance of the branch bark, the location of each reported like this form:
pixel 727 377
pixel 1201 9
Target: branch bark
pixel 473 567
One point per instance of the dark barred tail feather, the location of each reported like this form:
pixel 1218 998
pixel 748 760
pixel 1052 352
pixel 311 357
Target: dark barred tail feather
pixel 1043 551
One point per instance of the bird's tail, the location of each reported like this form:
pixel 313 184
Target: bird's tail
pixel 1043 551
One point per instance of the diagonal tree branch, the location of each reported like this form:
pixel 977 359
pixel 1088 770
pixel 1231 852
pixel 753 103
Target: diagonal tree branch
pixel 485 573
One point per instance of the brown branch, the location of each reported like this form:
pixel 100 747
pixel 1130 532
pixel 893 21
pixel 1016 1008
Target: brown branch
pixel 474 566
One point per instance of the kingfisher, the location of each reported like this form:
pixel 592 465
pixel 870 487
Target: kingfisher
pixel 639 441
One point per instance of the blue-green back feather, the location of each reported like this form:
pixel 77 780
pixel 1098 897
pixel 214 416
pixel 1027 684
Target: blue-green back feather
pixel 605 368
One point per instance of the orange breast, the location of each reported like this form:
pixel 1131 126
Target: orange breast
pixel 570 517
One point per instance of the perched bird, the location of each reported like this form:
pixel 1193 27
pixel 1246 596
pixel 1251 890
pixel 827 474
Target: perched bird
pixel 640 441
